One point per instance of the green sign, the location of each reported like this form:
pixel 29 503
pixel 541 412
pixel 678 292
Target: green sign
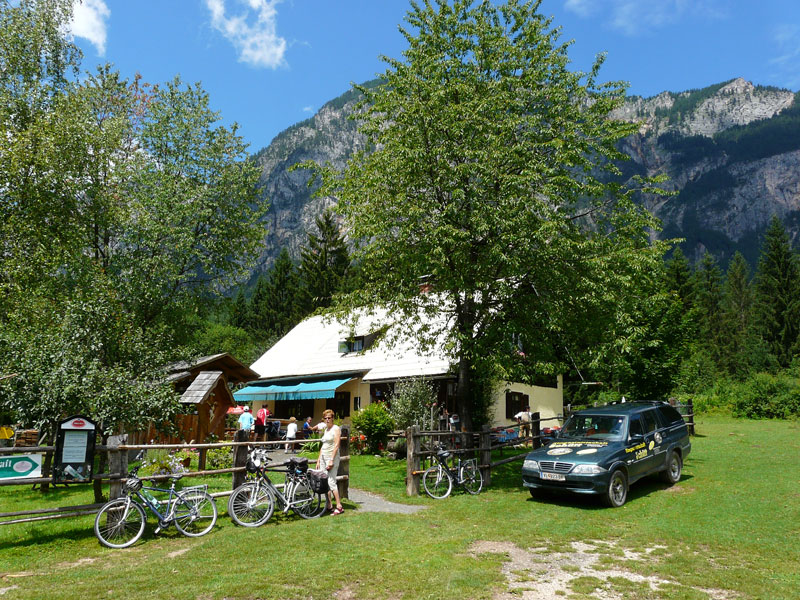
pixel 20 467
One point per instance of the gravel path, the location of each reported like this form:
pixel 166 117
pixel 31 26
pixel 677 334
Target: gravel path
pixel 369 502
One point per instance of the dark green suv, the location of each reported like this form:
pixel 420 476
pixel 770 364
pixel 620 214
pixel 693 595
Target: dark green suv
pixel 605 449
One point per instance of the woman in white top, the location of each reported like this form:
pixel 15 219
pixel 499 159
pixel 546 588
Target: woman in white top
pixel 329 458
pixel 291 434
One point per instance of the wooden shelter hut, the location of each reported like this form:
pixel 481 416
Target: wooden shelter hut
pixel 205 385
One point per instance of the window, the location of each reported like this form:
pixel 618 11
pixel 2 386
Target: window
pixel 340 404
pixel 299 409
pixel 669 415
pixel 357 403
pixel 515 402
pixel 636 426
pixel 355 344
pixel 650 424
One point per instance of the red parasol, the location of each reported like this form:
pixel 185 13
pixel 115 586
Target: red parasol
pixel 235 410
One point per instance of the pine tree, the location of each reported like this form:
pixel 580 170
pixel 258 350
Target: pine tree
pixel 678 278
pixel 239 311
pixel 258 308
pixel 739 346
pixel 778 294
pixel 708 302
pixel 282 312
pixel 324 264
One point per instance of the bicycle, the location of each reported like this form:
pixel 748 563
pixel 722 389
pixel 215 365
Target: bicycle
pixel 253 503
pixel 438 479
pixel 120 522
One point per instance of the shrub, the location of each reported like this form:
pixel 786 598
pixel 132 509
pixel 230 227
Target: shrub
pixel 766 396
pixel 219 458
pixel 375 423
pixel 411 404
pixel 166 463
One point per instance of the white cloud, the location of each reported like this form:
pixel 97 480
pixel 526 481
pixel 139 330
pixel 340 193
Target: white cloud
pixel 253 31
pixel 308 109
pixel 582 8
pixel 89 22
pixel 634 17
pixel 785 65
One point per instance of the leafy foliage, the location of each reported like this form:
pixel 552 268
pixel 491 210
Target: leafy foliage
pixel 411 402
pixel 485 172
pixel 124 208
pixel 375 422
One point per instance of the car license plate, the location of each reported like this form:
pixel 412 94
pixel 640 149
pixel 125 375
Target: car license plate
pixel 554 476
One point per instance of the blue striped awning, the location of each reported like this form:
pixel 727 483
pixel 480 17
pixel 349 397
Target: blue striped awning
pixel 290 390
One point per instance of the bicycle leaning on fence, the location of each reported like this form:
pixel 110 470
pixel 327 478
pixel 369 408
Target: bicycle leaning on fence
pixel 253 503
pixel 438 479
pixel 120 522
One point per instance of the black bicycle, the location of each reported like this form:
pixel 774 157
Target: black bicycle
pixel 438 479
pixel 120 522
pixel 253 503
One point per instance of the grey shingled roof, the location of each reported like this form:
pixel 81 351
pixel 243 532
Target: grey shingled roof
pixel 201 387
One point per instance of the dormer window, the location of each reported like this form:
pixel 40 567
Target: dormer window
pixel 355 344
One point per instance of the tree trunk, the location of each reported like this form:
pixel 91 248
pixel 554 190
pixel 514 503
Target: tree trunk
pixel 464 393
pixel 97 484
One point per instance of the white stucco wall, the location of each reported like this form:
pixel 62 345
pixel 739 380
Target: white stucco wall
pixel 547 401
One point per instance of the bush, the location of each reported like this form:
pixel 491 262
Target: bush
pixel 375 423
pixel 219 458
pixel 411 404
pixel 766 396
pixel 166 463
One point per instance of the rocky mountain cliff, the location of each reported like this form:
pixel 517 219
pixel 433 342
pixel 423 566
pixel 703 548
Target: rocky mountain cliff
pixel 731 152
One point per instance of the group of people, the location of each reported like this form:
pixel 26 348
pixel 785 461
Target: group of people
pixel 261 425
pixel 328 458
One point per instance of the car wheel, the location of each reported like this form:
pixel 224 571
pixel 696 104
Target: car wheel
pixel 672 474
pixel 617 491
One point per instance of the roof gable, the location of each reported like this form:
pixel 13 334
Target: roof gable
pixel 312 348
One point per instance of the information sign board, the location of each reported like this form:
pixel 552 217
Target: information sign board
pixel 74 460
pixel 21 467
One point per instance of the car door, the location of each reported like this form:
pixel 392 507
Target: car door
pixel 653 441
pixel 636 448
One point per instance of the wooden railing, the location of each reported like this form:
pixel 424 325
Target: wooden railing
pixel 118 450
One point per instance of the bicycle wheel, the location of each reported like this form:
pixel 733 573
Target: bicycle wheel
pixel 251 505
pixel 304 501
pixel 472 480
pixel 195 513
pixel 118 524
pixel 437 482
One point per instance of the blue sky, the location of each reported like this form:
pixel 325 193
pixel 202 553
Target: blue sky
pixel 268 64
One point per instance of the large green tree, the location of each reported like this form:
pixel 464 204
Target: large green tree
pixel 490 170
pixel 778 294
pixel 123 208
pixel 324 264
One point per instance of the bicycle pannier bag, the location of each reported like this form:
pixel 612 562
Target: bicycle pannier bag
pixel 298 464
pixel 318 479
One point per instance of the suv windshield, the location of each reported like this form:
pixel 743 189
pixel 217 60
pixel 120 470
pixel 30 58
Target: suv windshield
pixel 595 427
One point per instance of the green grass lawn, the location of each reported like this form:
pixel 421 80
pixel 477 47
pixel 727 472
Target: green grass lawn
pixel 729 529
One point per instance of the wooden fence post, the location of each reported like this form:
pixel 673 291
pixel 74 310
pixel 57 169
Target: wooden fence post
pixel 413 448
pixel 117 464
pixel 485 455
pixel 344 465
pixel 240 457
pixel 536 429
pixel 691 416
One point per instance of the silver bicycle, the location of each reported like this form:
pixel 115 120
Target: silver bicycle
pixel 120 522
pixel 253 503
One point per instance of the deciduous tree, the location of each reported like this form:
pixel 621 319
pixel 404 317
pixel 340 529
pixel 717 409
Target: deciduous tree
pixel 490 170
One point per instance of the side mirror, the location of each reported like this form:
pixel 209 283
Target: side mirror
pixel 636 437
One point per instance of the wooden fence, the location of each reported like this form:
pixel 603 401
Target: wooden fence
pixel 421 445
pixel 118 450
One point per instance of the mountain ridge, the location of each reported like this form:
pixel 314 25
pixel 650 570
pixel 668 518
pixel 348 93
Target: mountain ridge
pixel 731 152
